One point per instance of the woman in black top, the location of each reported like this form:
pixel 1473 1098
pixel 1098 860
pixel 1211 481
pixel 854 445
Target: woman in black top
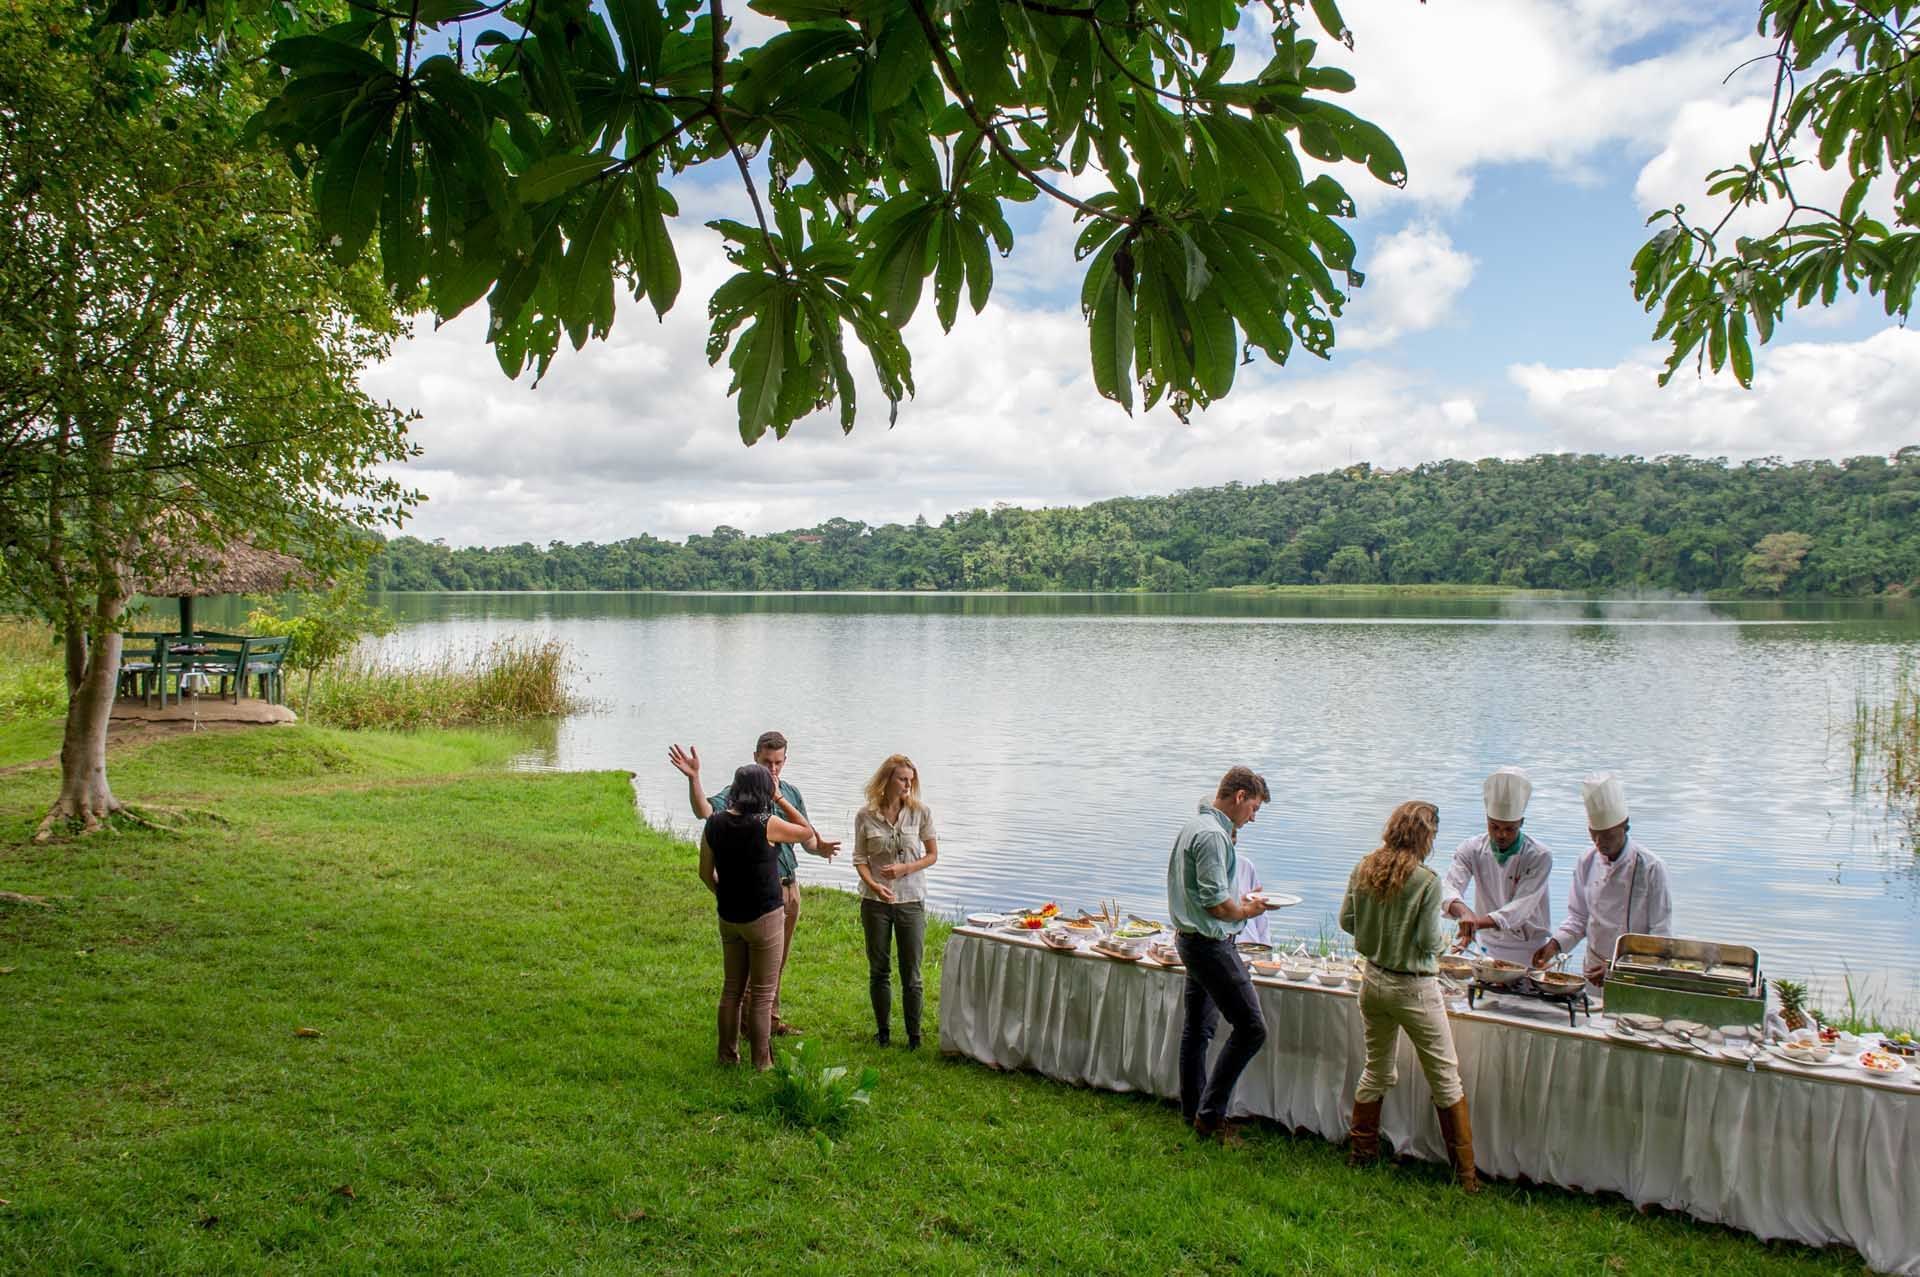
pixel 740 866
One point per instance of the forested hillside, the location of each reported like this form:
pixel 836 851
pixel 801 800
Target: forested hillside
pixel 1558 522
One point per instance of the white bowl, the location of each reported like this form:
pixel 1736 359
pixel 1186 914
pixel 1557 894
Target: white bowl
pixel 1298 974
pixel 1332 977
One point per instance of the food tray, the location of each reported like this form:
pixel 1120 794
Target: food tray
pixel 1689 966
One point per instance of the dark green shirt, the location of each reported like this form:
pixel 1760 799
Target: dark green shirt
pixel 789 858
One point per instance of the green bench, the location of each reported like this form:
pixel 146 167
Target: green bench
pixel 205 658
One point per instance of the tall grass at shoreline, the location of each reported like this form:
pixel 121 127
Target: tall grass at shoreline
pixel 508 680
pixel 1884 738
pixel 32 681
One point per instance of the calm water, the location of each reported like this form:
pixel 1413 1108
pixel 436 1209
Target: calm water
pixel 1062 739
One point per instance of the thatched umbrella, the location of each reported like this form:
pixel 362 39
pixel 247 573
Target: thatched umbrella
pixel 183 567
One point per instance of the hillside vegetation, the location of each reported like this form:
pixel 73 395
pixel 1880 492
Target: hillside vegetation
pixel 1766 528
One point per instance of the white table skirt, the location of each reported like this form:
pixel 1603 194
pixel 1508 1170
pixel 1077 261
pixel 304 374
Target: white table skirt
pixel 1817 1156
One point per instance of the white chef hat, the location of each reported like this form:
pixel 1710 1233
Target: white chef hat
pixel 1506 793
pixel 1606 800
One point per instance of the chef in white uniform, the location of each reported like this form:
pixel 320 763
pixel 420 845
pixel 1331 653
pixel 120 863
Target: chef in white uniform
pixel 1618 885
pixel 1508 872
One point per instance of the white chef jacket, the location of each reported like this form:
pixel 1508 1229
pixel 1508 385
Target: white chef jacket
pixel 1246 878
pixel 1606 901
pixel 1515 894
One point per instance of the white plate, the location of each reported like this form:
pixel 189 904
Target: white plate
pixel 1631 1035
pixel 986 919
pixel 1889 1074
pixel 1741 1051
pixel 1830 1062
pixel 1275 899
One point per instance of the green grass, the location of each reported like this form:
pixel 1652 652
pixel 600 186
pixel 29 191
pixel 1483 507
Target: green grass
pixel 513 982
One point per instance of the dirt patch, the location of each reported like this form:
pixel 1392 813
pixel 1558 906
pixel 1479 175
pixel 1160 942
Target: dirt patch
pixel 125 732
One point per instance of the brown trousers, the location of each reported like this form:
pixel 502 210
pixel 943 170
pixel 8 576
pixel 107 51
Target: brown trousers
pixel 751 954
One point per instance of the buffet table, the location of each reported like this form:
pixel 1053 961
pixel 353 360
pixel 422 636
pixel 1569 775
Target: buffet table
pixel 1819 1155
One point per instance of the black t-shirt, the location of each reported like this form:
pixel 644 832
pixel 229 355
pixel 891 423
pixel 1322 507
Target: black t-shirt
pixel 746 864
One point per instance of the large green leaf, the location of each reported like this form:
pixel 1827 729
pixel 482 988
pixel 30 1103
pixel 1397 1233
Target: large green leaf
pixel 558 174
pixel 1111 336
pixel 350 180
pixel 585 281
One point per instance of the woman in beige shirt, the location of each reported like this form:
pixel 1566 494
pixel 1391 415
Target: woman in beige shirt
pixel 893 846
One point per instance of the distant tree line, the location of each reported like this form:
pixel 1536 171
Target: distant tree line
pixel 1691 525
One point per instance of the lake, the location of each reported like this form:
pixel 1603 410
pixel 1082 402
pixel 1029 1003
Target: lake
pixel 1062 739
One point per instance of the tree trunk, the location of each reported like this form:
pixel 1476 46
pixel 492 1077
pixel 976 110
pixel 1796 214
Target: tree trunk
pixel 85 798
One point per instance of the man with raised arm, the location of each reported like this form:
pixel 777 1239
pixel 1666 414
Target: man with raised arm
pixel 1207 913
pixel 1619 887
pixel 1508 872
pixel 770 751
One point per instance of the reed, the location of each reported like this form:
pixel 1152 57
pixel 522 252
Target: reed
pixel 32 681
pixel 509 680
pixel 1884 739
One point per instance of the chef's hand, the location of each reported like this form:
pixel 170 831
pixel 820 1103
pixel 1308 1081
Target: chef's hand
pixel 1546 953
pixel 1597 972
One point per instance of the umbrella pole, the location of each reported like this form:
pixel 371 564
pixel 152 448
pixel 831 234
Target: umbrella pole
pixel 186 616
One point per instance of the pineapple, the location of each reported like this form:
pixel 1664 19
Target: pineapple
pixel 1793 1001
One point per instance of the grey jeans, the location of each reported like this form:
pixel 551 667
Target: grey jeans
pixel 902 927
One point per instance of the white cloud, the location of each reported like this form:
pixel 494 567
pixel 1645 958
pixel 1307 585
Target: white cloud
pixel 1461 86
pixel 1413 277
pixel 1809 399
pixel 1704 136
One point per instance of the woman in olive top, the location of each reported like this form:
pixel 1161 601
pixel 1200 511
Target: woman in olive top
pixel 1392 910
pixel 893 847
pixel 741 867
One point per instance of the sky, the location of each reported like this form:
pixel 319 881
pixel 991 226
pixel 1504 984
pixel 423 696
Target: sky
pixel 1496 321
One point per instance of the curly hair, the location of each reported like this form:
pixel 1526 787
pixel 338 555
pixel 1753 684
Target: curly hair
pixel 1404 843
pixel 877 787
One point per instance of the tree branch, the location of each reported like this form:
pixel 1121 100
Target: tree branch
pixel 992 131
pixel 726 134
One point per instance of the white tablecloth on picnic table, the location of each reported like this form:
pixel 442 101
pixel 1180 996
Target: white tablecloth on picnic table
pixel 1816 1155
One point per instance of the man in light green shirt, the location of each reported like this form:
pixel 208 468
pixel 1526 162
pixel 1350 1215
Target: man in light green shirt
pixel 1207 912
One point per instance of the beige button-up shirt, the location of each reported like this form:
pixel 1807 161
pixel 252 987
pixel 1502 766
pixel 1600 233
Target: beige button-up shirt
pixel 877 842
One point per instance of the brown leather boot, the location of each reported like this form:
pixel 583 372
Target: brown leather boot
pixel 1457 1133
pixel 1363 1133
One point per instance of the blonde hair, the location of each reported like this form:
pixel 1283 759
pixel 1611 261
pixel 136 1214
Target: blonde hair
pixel 877 787
pixel 1404 843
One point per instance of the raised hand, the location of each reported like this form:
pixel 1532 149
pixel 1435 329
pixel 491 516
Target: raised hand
pixel 685 761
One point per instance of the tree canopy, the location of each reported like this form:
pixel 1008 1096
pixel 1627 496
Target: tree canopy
pixel 528 152
pixel 1845 96
pixel 1555 522
pixel 174 352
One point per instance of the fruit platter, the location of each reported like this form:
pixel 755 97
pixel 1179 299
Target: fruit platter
pixel 1884 1063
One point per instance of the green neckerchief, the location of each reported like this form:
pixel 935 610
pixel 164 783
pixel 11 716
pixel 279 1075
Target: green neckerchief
pixel 1502 857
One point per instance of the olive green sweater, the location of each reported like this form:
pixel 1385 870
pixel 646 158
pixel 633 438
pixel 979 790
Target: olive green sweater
pixel 1407 933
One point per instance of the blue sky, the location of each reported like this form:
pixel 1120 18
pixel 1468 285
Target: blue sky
pixel 1496 321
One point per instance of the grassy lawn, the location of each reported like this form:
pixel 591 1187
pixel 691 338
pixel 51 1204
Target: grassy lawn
pixel 513 982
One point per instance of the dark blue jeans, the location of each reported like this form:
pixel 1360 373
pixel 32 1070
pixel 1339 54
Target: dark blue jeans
pixel 1217 984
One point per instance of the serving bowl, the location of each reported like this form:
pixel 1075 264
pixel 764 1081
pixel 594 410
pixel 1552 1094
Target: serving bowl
pixel 1456 967
pixel 1559 982
pixel 1807 1052
pixel 1333 975
pixel 1497 971
pixel 1129 944
pixel 1298 972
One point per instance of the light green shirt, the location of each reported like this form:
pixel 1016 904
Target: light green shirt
pixel 1406 934
pixel 1200 874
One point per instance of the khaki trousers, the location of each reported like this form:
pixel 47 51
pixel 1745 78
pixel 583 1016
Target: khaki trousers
pixel 750 958
pixel 1389 1003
